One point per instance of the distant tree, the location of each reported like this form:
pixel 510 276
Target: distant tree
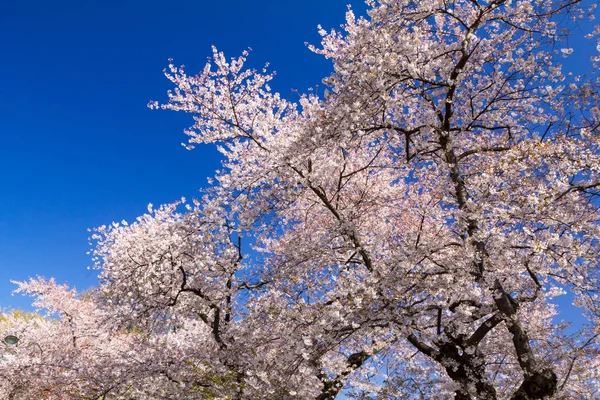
pixel 409 229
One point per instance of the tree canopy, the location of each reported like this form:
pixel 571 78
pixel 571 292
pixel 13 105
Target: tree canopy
pixel 403 235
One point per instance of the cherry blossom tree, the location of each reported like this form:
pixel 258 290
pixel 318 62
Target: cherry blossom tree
pixel 404 235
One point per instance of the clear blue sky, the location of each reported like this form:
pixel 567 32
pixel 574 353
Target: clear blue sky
pixel 79 148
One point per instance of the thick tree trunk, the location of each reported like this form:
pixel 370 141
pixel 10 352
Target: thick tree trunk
pixel 467 371
pixel 537 386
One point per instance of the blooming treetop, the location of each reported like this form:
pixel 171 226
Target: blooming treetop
pixel 410 229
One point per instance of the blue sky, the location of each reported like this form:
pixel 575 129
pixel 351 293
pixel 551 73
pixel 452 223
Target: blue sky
pixel 78 146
